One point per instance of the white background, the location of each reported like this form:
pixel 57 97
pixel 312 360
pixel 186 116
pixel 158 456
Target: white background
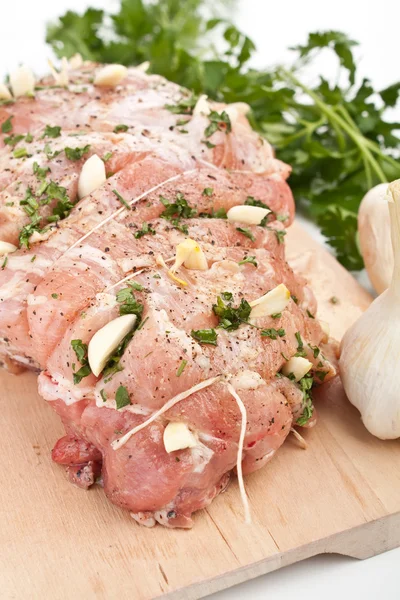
pixel 274 26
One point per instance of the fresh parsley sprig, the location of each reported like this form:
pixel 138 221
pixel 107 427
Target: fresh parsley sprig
pixel 335 136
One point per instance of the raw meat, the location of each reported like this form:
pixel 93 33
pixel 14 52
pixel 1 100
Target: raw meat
pixel 70 282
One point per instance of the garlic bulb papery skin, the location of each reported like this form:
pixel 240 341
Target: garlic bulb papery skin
pixel 373 232
pixel 370 349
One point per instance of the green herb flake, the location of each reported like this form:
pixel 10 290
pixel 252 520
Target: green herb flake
pixel 310 314
pixel 20 153
pixel 247 233
pixel 276 316
pixel 334 300
pixel 76 153
pixel 273 334
pixel 306 384
pixel 181 368
pixel 205 336
pixel 121 199
pixel 208 192
pixel 248 260
pixel 230 317
pixel 103 395
pixel 55 296
pixel 184 107
pixel 33 258
pixel 300 345
pixel 218 122
pixel 5 261
pixel 120 128
pixel 122 397
pixel 52 132
pixel 7 126
pixel 81 351
pixel 107 156
pixel 145 230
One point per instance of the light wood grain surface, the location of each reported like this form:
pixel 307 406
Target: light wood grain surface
pixel 341 495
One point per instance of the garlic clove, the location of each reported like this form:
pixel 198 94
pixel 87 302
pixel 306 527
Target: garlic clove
pixel 297 366
pixel 250 215
pixel 22 81
pixel 326 330
pixel 106 340
pixel 7 248
pixel 76 61
pixel 93 176
pixel 370 348
pixel 202 106
pixel 273 302
pixel 5 93
pixel 190 254
pixel 177 436
pixel 110 75
pixel 373 233
pixel 144 66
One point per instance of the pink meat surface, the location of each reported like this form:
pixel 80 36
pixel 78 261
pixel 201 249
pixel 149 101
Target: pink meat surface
pixel 68 281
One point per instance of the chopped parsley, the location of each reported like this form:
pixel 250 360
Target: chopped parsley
pixel 230 317
pixel 208 144
pixel 334 300
pixel 181 368
pixel 81 351
pixel 310 314
pixel 40 172
pixel 107 156
pixel 308 409
pixel 76 153
pixel 20 153
pixel 52 132
pixel 145 229
pixel 180 209
pixel 218 122
pixel 128 303
pixel 122 397
pixel 121 199
pixel 103 395
pixel 120 128
pixel 184 107
pixel 49 152
pixel 248 260
pixel 12 140
pixel 251 201
pixel 279 233
pixel 247 233
pixel 55 296
pixel 136 286
pixel 316 350
pixel 7 126
pixel 205 336
pixel 276 315
pixel 272 333
pixel 217 214
pixel 5 261
pixel 207 192
pixel 300 345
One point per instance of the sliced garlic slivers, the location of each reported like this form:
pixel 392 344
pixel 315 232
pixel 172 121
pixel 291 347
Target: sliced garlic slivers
pixel 76 61
pixel 106 340
pixel 92 176
pixel 298 366
pixel 326 329
pixel 22 81
pixel 5 93
pixel 144 66
pixel 190 254
pixel 177 436
pixel 273 302
pixel 250 215
pixel 110 75
pixel 6 248
pixel 202 106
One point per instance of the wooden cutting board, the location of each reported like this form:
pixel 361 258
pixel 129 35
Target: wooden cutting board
pixel 341 495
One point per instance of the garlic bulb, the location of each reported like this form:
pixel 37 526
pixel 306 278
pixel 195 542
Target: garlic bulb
pixel 369 361
pixel 373 232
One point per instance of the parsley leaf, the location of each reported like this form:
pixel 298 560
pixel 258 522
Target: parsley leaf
pixel 218 122
pixel 81 351
pixel 145 229
pixel 247 233
pixel 76 153
pixel 205 336
pixel 248 260
pixel 6 125
pixel 122 397
pixel 230 318
pixel 52 132
pixel 121 127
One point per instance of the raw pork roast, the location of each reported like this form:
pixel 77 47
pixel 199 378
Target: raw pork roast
pixel 174 169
